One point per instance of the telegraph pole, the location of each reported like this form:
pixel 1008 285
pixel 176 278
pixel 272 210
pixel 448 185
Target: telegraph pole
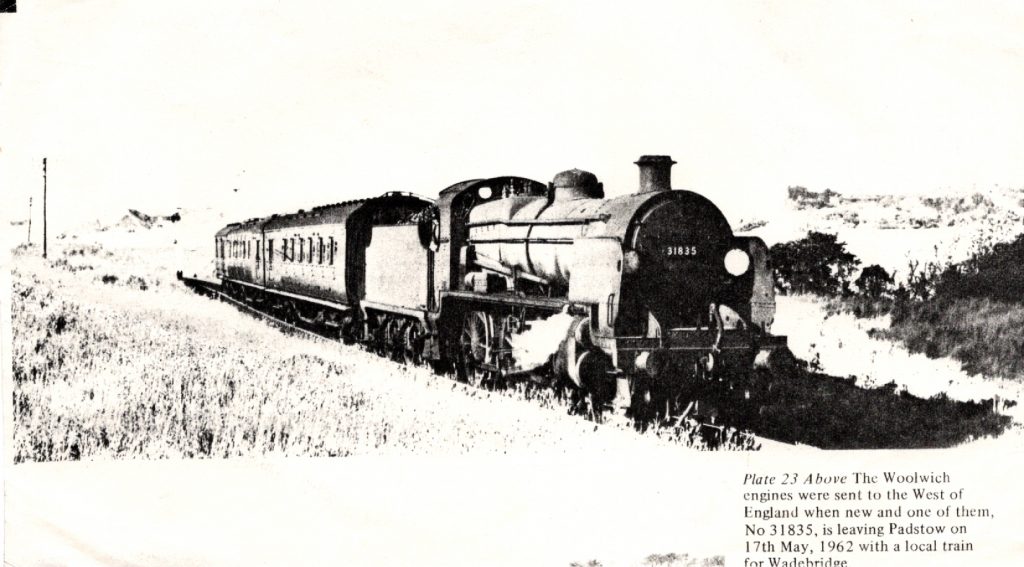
pixel 30 220
pixel 44 207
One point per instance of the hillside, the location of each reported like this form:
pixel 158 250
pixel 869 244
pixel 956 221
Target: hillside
pixel 894 231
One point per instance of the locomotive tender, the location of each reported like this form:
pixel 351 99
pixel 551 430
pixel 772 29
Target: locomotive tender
pixel 662 303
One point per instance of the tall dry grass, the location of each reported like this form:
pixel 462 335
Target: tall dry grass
pixel 985 335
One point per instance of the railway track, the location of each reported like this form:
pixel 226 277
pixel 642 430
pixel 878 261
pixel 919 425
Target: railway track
pixel 713 435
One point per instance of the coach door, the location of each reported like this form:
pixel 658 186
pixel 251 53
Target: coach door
pixel 268 260
pixel 257 270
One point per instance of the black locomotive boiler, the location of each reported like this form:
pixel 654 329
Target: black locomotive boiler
pixel 654 301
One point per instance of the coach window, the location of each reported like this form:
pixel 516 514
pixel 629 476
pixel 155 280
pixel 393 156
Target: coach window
pixel 270 252
pixel 330 250
pixel 310 258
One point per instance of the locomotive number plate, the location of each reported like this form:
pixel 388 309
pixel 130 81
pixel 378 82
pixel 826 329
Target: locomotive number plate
pixel 680 250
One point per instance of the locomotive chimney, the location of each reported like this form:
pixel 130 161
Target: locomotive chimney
pixel 655 173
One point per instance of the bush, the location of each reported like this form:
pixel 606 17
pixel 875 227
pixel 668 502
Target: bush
pixel 817 263
pixel 874 281
pixel 995 272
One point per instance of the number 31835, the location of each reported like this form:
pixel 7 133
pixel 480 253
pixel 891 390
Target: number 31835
pixel 680 250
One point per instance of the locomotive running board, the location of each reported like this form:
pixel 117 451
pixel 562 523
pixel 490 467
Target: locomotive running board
pixel 420 314
pixel 547 303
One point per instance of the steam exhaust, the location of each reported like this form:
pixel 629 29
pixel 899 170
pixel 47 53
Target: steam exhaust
pixel 535 346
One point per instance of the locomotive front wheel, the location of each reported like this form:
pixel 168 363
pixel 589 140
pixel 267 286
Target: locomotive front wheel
pixel 475 347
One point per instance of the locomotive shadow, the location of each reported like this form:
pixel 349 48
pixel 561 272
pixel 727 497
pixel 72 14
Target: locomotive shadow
pixel 831 412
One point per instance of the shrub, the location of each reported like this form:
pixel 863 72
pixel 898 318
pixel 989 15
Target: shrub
pixel 995 272
pixel 874 281
pixel 817 263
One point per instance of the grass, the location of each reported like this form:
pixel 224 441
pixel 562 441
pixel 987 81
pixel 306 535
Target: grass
pixel 860 306
pixel 985 335
pixel 113 359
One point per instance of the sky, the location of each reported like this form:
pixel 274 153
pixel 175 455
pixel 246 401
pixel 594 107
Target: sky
pixel 259 106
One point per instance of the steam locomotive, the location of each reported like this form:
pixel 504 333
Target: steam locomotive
pixel 653 301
